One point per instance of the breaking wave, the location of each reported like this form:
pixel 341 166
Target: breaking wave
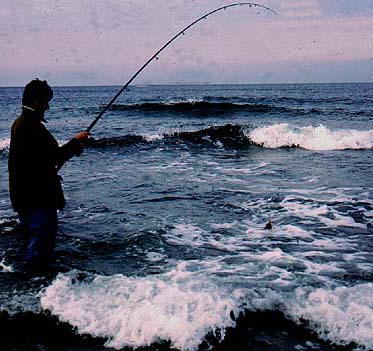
pixel 311 138
pixel 135 312
pixel 233 136
pixel 228 135
pixel 274 136
pixel 342 315
pixel 183 307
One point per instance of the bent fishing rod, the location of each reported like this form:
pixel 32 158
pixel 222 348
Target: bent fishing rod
pixel 182 32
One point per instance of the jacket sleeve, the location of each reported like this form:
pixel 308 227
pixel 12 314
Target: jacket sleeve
pixel 67 151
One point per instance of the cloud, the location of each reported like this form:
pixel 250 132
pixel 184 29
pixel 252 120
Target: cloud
pixel 298 4
pixel 89 40
pixel 300 9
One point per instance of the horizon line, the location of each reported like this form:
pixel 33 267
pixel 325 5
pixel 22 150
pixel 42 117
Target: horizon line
pixel 187 84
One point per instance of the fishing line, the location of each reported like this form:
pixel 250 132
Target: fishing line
pixel 182 32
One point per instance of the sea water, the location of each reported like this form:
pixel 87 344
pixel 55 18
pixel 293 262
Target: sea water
pixel 162 241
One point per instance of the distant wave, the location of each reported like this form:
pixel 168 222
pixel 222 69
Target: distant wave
pixel 124 140
pixel 207 107
pixel 228 135
pixel 311 138
pixel 332 100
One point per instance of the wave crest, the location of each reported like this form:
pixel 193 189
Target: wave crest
pixel 343 315
pixel 196 107
pixel 135 312
pixel 311 138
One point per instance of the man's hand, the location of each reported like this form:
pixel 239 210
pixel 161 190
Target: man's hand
pixel 82 136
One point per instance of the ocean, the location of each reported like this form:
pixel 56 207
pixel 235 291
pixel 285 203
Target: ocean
pixel 162 244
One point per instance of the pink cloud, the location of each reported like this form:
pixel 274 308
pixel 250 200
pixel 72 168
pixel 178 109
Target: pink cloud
pixel 111 39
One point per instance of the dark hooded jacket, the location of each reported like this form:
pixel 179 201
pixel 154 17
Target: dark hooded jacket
pixel 34 158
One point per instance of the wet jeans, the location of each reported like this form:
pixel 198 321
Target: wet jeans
pixel 40 229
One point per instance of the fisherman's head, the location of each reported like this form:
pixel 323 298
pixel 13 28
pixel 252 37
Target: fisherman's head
pixel 37 95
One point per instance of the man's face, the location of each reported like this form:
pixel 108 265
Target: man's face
pixel 41 106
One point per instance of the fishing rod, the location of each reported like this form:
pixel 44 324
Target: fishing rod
pixel 182 32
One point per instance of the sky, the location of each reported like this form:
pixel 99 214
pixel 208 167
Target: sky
pixel 104 42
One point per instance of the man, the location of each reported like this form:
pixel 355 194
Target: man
pixel 35 187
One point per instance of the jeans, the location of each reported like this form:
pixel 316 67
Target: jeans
pixel 40 229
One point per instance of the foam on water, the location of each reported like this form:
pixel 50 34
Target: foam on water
pixel 187 234
pixel 341 315
pixel 318 212
pixel 311 138
pixel 132 311
pixel 188 302
pixel 292 268
pixel 4 267
pixel 153 137
pixel 4 144
pixel 20 301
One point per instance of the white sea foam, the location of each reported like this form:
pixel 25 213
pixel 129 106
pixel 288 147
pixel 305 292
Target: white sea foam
pixel 133 311
pixel 20 298
pixel 183 100
pixel 255 169
pixel 4 144
pixel 223 225
pixel 261 269
pixel 5 267
pixel 311 138
pixel 341 315
pixel 368 214
pixel 153 137
pixel 340 220
pixel 322 213
pixel 188 234
pixel 20 301
pixel 155 256
pixel 186 303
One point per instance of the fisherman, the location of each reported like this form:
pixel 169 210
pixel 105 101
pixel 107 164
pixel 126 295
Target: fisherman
pixel 35 187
